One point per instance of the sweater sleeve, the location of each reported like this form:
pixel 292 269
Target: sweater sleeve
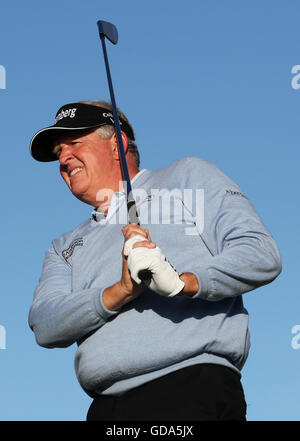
pixel 242 252
pixel 60 316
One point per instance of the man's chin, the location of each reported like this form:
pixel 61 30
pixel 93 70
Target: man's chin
pixel 83 198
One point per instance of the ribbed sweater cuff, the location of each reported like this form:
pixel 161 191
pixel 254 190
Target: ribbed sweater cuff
pixel 101 309
pixel 201 274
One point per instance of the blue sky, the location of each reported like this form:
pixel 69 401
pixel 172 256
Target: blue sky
pixel 196 78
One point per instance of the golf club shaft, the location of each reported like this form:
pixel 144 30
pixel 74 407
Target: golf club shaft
pixel 131 206
pixel 132 212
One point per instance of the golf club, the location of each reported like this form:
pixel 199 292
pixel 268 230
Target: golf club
pixel 109 31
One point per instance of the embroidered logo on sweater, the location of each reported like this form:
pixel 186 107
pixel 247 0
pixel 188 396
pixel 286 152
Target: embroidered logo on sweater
pixel 235 193
pixel 67 253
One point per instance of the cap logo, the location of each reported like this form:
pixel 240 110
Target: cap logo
pixel 111 117
pixel 65 113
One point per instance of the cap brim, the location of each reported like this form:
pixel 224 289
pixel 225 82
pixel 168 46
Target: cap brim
pixel 42 143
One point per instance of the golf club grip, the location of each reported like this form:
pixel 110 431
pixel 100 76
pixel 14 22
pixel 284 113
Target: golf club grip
pixel 145 274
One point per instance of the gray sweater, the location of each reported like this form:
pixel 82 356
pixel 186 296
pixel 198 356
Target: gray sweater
pixel 205 225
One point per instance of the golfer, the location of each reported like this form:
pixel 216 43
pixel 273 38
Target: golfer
pixel 171 347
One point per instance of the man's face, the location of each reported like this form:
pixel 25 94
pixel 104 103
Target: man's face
pixel 87 165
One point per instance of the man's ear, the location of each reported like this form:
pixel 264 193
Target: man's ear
pixel 115 144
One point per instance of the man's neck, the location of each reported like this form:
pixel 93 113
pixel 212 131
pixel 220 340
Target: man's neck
pixel 105 205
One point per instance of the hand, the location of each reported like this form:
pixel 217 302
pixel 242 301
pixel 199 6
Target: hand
pixel 165 279
pixel 126 290
pixel 135 236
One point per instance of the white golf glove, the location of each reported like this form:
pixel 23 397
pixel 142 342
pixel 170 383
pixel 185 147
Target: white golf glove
pixel 165 279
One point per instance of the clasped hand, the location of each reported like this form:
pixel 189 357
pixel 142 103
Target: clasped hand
pixel 141 253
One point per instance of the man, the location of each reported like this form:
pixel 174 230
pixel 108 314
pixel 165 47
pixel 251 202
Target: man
pixel 170 348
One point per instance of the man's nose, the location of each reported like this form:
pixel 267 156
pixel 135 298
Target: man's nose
pixel 65 154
